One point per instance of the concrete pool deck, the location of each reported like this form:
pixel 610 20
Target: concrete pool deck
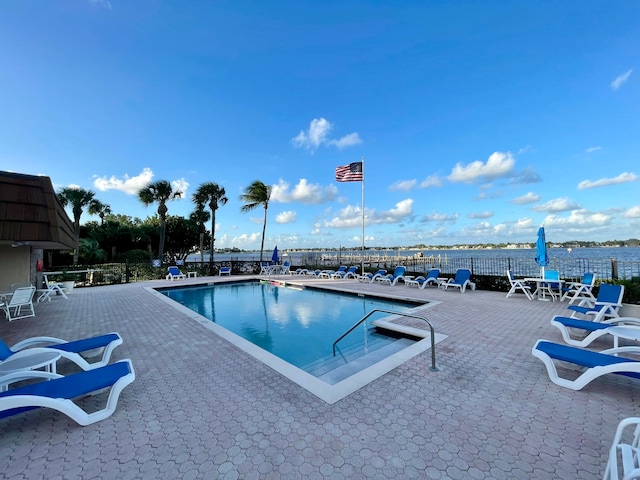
pixel 201 408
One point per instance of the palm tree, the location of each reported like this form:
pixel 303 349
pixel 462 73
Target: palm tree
pixel 100 209
pixel 160 192
pixel 214 195
pixel 200 216
pixel 255 195
pixel 77 198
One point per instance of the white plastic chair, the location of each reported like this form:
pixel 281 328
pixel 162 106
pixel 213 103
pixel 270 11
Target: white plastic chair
pixel 21 300
pixel 623 454
pixel 518 284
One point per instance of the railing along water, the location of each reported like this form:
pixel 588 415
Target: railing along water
pixel 375 310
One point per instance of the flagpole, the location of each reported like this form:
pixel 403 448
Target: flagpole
pixel 362 255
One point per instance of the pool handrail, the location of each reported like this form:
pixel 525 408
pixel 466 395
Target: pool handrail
pixel 433 367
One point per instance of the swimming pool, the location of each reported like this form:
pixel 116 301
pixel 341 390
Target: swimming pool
pixel 298 326
pixel 293 329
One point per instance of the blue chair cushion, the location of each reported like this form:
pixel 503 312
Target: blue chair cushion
pixel 586 358
pixel 582 324
pixel 85 344
pixel 71 386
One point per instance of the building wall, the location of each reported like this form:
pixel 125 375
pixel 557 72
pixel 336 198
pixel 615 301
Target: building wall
pixel 15 266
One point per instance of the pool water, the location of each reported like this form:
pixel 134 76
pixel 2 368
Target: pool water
pixel 297 325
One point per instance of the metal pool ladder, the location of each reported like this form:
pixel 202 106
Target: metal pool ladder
pixel 433 367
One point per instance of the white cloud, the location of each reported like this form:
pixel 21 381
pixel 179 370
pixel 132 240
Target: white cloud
pixel 499 165
pixel 526 199
pixel 439 218
pixel 403 185
pixel 126 184
pixel 351 216
pixel 593 149
pixel 318 134
pixel 633 212
pixel 620 80
pixel 480 215
pixel 303 192
pixel 577 219
pixel 246 240
pixel 286 217
pixel 557 205
pixel 431 181
pixel 625 177
pixel 346 141
pixel 182 186
pixel 523 224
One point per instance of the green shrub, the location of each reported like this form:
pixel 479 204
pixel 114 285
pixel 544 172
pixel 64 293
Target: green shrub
pixel 631 290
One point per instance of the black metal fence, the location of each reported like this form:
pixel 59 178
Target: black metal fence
pixel 606 269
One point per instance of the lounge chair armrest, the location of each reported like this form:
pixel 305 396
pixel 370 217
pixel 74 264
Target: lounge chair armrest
pixel 35 341
pixel 21 375
pixel 30 351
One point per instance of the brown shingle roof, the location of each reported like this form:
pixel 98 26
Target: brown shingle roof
pixel 30 212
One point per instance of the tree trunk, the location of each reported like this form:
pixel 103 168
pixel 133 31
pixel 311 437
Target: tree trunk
pixel 264 229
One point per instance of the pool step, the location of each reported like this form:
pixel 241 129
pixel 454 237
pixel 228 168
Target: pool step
pixel 355 358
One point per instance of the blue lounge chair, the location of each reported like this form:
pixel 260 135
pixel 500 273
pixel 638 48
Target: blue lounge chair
pixel 422 281
pixel 518 284
pixel 607 304
pixel 593 330
pixel 90 347
pixel 596 363
pixel 462 280
pixel 393 278
pixel 348 273
pixel 581 290
pixel 371 277
pixel 224 271
pixel 174 273
pixel 285 268
pixel 57 391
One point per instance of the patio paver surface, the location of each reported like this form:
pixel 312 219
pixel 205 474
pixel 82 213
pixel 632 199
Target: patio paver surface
pixel 201 408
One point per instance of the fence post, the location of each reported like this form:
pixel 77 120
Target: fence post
pixel 127 272
pixel 614 269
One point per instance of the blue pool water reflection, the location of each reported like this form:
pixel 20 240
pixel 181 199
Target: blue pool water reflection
pixel 296 325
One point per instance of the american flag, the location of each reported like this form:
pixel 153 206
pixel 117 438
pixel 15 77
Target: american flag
pixel 349 173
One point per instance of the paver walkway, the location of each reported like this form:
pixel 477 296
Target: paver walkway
pixel 201 408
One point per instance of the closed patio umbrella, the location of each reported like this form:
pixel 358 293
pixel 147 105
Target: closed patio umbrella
pixel 274 257
pixel 542 258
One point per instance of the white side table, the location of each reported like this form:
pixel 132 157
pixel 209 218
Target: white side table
pixel 31 362
pixel 192 274
pixel 624 331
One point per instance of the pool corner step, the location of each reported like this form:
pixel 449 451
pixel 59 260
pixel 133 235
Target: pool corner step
pixel 404 329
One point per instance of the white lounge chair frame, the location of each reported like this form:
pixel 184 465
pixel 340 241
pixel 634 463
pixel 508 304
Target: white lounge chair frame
pixel 21 302
pixel 596 363
pixel 393 278
pixel 421 281
pixel 625 455
pixel 52 289
pixel 600 310
pixel 462 286
pixel 579 291
pixel 9 401
pixel 594 330
pixel 33 345
pixel 174 273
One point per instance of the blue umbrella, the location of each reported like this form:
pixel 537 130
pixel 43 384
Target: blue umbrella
pixel 274 257
pixel 542 258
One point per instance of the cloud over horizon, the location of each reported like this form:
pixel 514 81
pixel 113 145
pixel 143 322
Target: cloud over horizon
pixel 318 134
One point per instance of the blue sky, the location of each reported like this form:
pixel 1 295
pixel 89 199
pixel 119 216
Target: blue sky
pixel 477 121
